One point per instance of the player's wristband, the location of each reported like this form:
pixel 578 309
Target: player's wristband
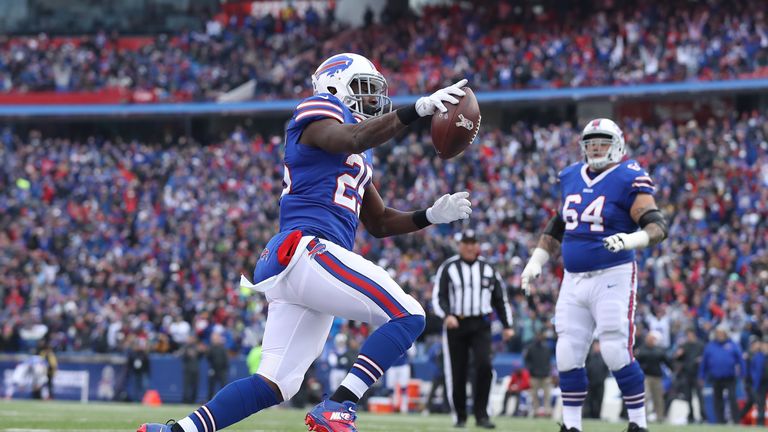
pixel 636 240
pixel 539 256
pixel 420 219
pixel 407 115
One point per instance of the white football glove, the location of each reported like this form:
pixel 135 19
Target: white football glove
pixel 623 241
pixel 449 208
pixel 532 270
pixel 428 105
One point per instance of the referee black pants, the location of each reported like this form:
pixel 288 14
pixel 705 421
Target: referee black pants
pixel 473 335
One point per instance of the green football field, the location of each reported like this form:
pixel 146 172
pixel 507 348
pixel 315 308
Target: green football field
pixel 29 416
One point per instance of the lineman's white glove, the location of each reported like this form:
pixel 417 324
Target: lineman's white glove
pixel 428 105
pixel 623 241
pixel 449 208
pixel 532 270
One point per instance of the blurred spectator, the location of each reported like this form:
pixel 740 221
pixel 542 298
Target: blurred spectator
pixel 651 357
pixel 47 354
pixel 688 356
pixel 519 382
pixel 254 359
pixel 340 360
pixel 138 369
pixel 435 355
pixel 32 372
pixel 9 338
pixel 538 360
pixel 659 322
pixel 180 331
pixel 190 354
pixel 756 380
pixel 722 365
pixel 397 378
pixel 218 364
pixel 597 373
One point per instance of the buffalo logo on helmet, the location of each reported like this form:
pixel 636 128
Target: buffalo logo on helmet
pixel 334 65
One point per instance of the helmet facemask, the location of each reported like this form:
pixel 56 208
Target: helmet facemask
pixel 367 95
pixel 601 149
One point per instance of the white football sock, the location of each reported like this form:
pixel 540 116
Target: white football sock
pixel 637 416
pixel 355 385
pixel 187 424
pixel 572 416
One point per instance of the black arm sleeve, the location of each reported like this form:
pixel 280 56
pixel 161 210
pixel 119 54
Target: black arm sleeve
pixel 657 217
pixel 500 302
pixel 555 227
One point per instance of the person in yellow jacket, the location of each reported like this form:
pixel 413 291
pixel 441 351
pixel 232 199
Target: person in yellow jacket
pixel 253 359
pixel 46 352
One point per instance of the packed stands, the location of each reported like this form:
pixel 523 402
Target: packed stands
pixel 501 45
pixel 104 241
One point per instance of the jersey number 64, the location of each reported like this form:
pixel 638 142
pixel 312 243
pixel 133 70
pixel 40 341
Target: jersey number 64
pixel 591 215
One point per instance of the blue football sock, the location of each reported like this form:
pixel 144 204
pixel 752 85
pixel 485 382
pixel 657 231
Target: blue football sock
pixel 236 401
pixel 573 386
pixel 631 381
pixel 382 348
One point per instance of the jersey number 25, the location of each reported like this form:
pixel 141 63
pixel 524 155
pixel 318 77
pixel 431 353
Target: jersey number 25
pixel 350 188
pixel 591 215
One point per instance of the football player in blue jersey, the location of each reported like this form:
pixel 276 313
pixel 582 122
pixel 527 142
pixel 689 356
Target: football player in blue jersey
pixel 604 201
pixel 309 271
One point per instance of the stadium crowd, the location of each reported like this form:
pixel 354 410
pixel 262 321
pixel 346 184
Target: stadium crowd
pixel 192 65
pixel 500 46
pixel 104 241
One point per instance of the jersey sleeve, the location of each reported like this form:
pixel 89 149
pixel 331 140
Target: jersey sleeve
pixel 639 182
pixel 317 107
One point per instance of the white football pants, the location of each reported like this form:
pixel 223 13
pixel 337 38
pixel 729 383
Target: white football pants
pixel 603 300
pixel 323 280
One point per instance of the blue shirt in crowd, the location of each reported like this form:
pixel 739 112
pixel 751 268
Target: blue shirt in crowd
pixel 720 360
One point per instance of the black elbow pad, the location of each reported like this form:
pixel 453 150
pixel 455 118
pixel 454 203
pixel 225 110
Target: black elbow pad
pixel 555 227
pixel 657 217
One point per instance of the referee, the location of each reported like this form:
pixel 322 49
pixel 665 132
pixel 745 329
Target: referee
pixel 466 287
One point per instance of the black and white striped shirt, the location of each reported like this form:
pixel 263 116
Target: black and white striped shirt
pixel 470 289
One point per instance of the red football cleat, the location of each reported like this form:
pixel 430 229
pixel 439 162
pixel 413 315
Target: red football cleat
pixel 330 416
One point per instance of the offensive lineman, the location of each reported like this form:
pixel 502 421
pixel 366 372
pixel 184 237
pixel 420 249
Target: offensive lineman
pixel 604 200
pixel 309 272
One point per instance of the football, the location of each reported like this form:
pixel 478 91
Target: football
pixel 454 130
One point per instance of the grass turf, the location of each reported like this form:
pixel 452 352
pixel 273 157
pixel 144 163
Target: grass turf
pixel 36 416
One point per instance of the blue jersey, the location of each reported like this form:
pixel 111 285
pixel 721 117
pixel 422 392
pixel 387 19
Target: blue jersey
pixel 597 207
pixel 322 192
